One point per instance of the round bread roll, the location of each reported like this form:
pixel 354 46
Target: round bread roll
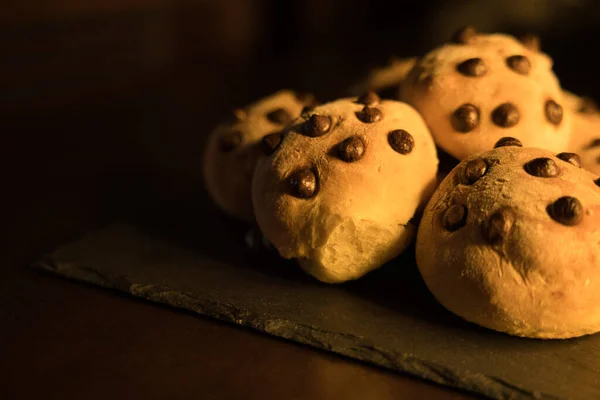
pixel 585 139
pixel 480 88
pixel 510 241
pixel 385 81
pixel 232 149
pixel 339 190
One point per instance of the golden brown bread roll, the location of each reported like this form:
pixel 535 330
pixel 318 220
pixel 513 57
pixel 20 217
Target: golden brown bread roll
pixel 480 88
pixel 339 191
pixel 232 149
pixel 511 241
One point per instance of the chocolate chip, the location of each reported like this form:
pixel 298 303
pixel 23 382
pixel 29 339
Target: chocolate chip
pixel 303 183
pixel 531 42
pixel 588 106
pixel 554 112
pixel 229 141
pixel 454 218
pixel 497 228
pixel 567 210
pixel 474 170
pixel 520 64
pixel 279 116
pixel 270 143
pixel 506 115
pixel 465 118
pixel 508 141
pixel 317 125
pixel 472 67
pixel 369 115
pixel 597 182
pixel 464 35
pixel 542 167
pixel 369 99
pixel 594 143
pixel 351 149
pixel 571 158
pixel 401 141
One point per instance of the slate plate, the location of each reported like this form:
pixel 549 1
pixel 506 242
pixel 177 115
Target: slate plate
pixel 198 261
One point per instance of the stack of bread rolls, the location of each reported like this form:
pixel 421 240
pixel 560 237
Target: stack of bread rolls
pixel 510 237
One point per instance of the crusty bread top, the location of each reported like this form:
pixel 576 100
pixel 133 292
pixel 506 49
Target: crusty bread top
pixel 507 90
pixel 513 259
pixel 231 151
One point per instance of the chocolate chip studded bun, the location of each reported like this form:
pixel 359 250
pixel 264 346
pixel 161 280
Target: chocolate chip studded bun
pixel 338 192
pixel 233 148
pixel 510 241
pixel 480 88
pixel 385 81
pixel 585 139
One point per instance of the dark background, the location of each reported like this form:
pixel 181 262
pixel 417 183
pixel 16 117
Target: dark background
pixel 104 107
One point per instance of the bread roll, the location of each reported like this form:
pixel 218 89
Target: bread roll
pixel 339 191
pixel 510 241
pixel 232 149
pixel 480 88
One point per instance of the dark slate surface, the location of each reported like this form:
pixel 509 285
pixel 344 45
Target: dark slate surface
pixel 198 261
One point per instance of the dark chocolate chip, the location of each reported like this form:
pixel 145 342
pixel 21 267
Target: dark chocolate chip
pixel 588 106
pixel 506 115
pixel 542 167
pixel 270 143
pixel 369 99
pixel 531 42
pixel 303 183
pixel 567 210
pixel 464 35
pixel 554 112
pixel 597 182
pixel 465 118
pixel 594 143
pixel 401 141
pixel 317 125
pixel 351 149
pixel 474 170
pixel 472 67
pixel 508 141
pixel 520 64
pixel 369 115
pixel 279 116
pixel 571 158
pixel 454 218
pixel 497 228
pixel 229 141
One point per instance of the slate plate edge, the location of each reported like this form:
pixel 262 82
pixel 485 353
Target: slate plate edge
pixel 347 345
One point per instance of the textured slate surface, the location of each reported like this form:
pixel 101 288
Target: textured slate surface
pixel 199 262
